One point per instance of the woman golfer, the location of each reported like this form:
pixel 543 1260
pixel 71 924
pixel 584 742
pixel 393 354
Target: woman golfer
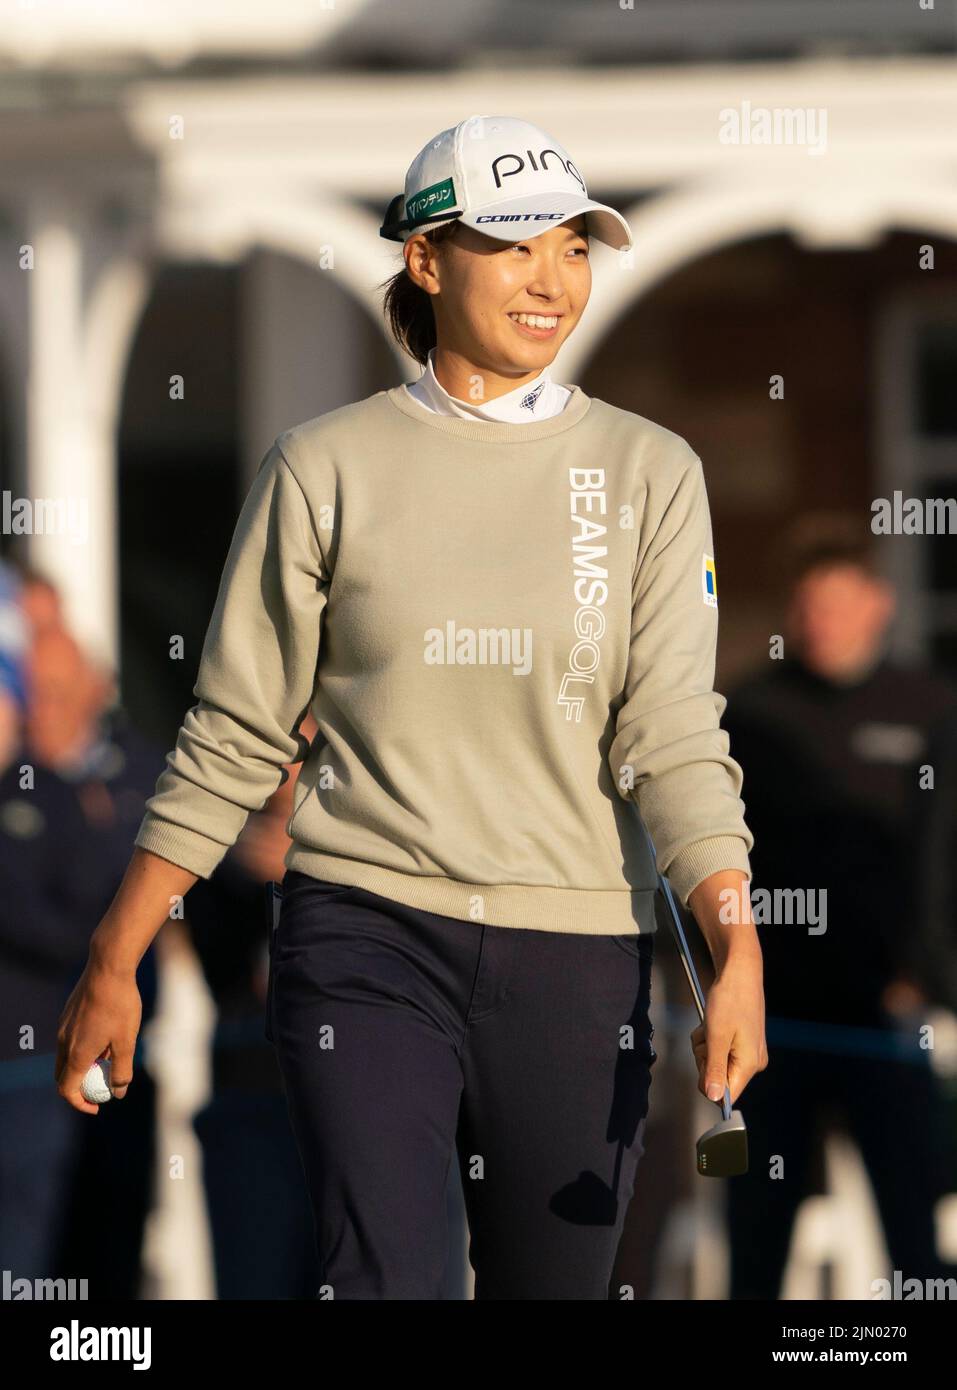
pixel 497 595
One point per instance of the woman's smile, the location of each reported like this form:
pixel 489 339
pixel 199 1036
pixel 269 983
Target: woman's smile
pixel 540 326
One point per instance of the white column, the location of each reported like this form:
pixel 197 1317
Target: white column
pixel 70 467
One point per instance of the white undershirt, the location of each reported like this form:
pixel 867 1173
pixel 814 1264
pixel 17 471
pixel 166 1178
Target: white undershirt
pixel 543 398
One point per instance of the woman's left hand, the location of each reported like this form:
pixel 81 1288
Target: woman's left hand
pixel 730 1047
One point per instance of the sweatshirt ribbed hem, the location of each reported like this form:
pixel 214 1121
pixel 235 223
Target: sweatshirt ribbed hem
pixel 536 907
pixel 703 858
pixel 186 848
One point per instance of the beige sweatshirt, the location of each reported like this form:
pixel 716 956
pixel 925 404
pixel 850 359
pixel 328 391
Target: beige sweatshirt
pixel 506 634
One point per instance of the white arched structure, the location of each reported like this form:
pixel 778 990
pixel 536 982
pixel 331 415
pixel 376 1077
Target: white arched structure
pixel 679 228
pixel 670 232
pixel 114 309
pixel 328 233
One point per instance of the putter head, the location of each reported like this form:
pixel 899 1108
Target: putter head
pixel 722 1150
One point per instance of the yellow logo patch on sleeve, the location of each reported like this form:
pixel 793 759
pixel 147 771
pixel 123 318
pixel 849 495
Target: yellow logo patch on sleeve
pixel 709 581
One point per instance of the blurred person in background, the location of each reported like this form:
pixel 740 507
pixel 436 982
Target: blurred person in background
pixel 44 915
pixel 256 1196
pixel 40 600
pixel 831 739
pixel 74 726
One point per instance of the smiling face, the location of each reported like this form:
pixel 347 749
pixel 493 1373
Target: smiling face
pixel 483 292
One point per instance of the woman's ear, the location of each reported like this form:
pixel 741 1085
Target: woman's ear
pixel 421 263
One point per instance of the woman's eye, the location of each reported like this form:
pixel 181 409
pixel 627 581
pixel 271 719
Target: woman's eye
pixel 523 246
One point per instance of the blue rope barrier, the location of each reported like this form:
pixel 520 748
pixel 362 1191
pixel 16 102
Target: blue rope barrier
pixel 838 1039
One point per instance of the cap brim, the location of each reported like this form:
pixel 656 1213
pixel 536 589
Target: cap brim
pixel 516 219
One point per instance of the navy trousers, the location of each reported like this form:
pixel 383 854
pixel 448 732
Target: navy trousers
pixel 406 1038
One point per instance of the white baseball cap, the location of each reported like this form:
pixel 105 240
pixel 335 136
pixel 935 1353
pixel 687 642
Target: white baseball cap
pixel 501 176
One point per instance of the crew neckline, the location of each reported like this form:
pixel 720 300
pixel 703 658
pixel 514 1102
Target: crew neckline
pixel 494 431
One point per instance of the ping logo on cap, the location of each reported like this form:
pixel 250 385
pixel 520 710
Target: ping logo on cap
pixel 430 201
pixel 709 581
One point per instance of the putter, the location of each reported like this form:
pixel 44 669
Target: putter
pixel 722 1149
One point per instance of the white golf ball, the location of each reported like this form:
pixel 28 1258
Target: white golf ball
pixel 96 1083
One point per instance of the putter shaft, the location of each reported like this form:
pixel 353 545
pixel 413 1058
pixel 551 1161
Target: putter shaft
pixel 685 955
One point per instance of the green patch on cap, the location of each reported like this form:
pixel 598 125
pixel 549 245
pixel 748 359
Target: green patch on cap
pixel 430 201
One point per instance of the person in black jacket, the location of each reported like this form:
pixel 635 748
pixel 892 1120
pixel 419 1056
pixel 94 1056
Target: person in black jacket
pixel 835 739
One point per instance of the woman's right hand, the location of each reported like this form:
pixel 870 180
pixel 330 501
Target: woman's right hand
pixel 103 1014
pixel 101 1017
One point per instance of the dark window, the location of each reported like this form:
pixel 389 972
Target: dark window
pixel 937 379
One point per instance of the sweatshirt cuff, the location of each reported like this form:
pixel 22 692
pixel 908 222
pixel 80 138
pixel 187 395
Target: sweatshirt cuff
pixel 188 848
pixel 697 861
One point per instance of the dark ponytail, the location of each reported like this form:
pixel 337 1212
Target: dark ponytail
pixel 408 309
